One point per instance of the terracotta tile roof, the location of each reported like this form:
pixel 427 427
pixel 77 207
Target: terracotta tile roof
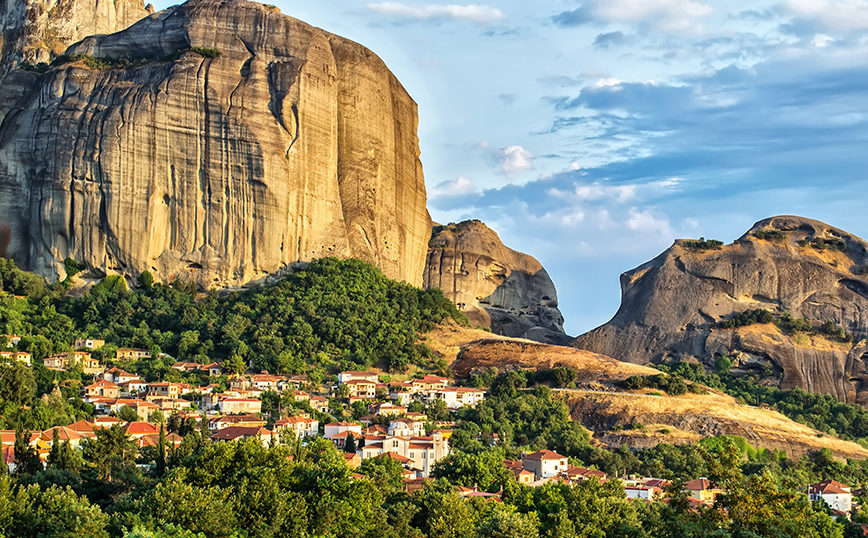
pixel 829 487
pixel 140 428
pixel 543 455
pixel 236 432
pixel 700 484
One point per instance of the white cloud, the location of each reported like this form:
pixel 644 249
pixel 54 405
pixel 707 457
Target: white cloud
pixel 822 40
pixel 838 16
pixel 644 222
pixel 456 187
pixel 474 13
pixel 667 15
pixel 595 192
pixel 515 159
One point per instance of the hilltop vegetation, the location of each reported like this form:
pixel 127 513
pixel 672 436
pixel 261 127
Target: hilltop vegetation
pixel 333 315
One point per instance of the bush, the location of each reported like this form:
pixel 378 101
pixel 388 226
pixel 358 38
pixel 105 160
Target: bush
pixel 748 317
pixel 704 244
pixel 775 236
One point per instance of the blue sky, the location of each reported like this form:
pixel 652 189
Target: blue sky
pixel 593 133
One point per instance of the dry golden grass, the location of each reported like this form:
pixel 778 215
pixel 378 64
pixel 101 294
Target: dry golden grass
pixel 760 427
pixel 511 354
pixel 771 334
pixel 448 339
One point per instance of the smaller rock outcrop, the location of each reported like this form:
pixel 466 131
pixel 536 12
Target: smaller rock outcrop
pixel 676 307
pixel 497 287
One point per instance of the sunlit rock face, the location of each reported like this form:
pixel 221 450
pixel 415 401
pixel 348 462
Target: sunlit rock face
pixel 271 142
pixel 497 287
pixel 672 306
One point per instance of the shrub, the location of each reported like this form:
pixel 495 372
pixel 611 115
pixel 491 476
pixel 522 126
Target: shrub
pixel 704 244
pixel 775 236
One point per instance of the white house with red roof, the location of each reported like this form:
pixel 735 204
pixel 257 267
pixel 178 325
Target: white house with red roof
pixel 102 388
pixel 544 463
pixel 300 426
pixel 16 356
pixel 837 495
pixel 455 397
pixel 355 375
pixel 234 406
pixel 117 375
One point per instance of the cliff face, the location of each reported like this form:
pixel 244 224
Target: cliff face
pixel 497 287
pixel 291 144
pixel 671 307
pixel 38 30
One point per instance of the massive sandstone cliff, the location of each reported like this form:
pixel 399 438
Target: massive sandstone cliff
pixel 290 144
pixel 497 287
pixel 36 31
pixel 672 306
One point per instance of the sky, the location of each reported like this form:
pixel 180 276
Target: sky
pixel 591 134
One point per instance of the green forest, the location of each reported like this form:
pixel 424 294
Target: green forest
pixel 340 315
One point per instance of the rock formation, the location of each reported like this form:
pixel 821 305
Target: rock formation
pixel 672 307
pixel 218 141
pixel 36 31
pixel 497 287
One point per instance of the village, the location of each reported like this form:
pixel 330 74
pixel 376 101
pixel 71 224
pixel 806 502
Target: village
pixel 388 429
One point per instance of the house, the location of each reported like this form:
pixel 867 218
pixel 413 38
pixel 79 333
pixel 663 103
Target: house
pixel 218 423
pixel 353 460
pixel 142 408
pixel 301 427
pixel 13 339
pixel 168 390
pixel 69 435
pixel 335 428
pixel 455 397
pixel 55 362
pixel 522 475
pixel 646 493
pixel 153 439
pixel 407 427
pixel 419 453
pixel 16 356
pixel 234 406
pixel 346 377
pixel 389 409
pixel 300 396
pixel 429 382
pixel 116 375
pixel 319 403
pixel 133 354
pixel 837 495
pixel 580 474
pixel 186 366
pixel 102 388
pixel 544 464
pixel 214 369
pixel 236 433
pixel 88 344
pixel 131 387
pixel 140 429
pixel 362 389
pixel 702 490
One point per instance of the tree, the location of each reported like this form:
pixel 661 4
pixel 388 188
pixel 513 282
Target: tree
pixel 350 445
pixel 234 365
pixel 128 414
pixel 386 473
pixel 110 451
pixel 161 451
pixel 504 522
pixel 17 384
pixel 62 456
pixel 26 459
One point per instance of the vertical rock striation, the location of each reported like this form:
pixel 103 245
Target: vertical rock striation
pixel 497 287
pixel 269 142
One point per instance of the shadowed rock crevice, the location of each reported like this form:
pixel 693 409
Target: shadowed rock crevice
pixel 497 287
pixel 672 307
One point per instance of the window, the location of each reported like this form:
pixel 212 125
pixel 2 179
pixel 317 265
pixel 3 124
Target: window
pixel 412 455
pixel 395 444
